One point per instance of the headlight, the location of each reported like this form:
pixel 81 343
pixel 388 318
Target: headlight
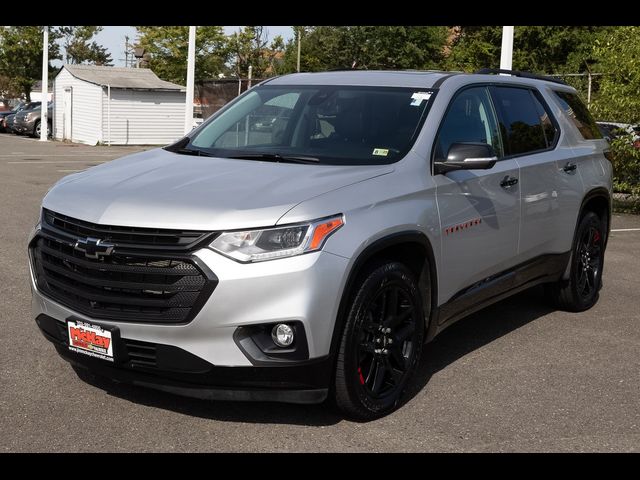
pixel 279 242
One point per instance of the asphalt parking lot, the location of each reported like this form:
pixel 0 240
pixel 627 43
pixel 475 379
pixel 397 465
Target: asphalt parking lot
pixel 517 376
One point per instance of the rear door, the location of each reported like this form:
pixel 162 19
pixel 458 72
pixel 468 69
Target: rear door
pixel 479 209
pixel 531 135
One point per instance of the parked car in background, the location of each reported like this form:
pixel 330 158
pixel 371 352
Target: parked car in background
pixel 27 122
pixel 6 113
pixel 7 123
pixel 11 118
pixel 613 130
pixel 5 106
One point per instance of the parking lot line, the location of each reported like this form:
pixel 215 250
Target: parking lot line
pixel 12 155
pixel 626 230
pixel 55 162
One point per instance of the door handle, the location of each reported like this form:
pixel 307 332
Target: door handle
pixel 508 182
pixel 569 167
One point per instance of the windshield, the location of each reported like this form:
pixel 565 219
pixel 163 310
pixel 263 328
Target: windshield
pixel 337 125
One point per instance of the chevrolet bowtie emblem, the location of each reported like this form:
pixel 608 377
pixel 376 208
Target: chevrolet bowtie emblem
pixel 94 247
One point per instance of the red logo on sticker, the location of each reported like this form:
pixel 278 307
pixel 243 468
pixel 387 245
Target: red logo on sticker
pixel 82 338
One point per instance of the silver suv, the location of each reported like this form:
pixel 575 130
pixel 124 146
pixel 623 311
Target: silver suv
pixel 306 241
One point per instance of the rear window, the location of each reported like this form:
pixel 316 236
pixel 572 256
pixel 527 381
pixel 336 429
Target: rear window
pixel 577 111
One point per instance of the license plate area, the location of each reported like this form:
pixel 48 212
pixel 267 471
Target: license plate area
pixel 93 340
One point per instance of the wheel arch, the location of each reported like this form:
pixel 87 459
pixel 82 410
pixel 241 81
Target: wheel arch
pixel 400 246
pixel 597 200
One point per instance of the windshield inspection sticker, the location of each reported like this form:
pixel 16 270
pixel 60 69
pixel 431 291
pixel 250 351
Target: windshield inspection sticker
pixel 418 97
pixel 381 152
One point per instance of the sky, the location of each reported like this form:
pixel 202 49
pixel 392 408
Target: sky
pixel 113 38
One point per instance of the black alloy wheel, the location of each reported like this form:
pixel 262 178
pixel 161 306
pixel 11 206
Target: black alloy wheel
pixel 581 290
pixel 381 343
pixel 589 260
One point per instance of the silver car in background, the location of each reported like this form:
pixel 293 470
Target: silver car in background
pixel 306 241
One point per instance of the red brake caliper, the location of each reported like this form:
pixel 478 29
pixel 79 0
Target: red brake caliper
pixel 361 377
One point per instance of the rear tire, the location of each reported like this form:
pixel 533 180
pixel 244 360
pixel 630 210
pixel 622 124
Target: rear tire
pixel 381 342
pixel 36 130
pixel 581 291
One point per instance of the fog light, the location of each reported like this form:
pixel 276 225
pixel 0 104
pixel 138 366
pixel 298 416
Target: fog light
pixel 282 335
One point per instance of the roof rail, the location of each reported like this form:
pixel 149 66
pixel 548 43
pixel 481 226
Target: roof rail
pixel 517 73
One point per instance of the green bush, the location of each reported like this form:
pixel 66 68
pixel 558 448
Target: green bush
pixel 626 166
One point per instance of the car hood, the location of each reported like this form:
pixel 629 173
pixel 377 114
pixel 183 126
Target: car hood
pixel 161 189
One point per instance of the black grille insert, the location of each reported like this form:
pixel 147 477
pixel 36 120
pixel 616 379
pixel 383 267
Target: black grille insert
pixel 136 285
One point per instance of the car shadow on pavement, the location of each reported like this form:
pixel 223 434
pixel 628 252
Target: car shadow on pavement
pixel 460 339
pixel 476 331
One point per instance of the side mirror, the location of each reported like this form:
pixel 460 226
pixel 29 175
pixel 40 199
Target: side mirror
pixel 467 156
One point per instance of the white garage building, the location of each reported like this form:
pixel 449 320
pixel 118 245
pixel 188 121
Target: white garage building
pixel 116 106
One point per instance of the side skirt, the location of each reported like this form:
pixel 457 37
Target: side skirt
pixel 542 269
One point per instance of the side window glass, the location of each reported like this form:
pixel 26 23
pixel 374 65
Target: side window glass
pixel 470 119
pixel 520 121
pixel 577 111
pixel 548 127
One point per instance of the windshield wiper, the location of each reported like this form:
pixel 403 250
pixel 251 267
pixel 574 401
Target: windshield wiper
pixel 191 151
pixel 276 157
pixel 181 147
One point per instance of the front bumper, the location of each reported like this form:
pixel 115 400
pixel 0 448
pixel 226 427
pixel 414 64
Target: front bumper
pixel 176 371
pixel 304 290
pixel 23 127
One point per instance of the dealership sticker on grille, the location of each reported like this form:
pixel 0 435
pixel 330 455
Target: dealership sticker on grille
pixel 89 339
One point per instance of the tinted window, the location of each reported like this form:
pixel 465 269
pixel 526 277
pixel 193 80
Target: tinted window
pixel 578 113
pixel 470 118
pixel 520 120
pixel 548 127
pixel 339 125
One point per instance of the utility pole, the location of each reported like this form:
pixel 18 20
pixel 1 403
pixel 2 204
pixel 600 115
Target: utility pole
pixel 126 50
pixel 299 40
pixel 191 67
pixel 506 52
pixel 45 84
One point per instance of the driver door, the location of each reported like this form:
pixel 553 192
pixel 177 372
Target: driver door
pixel 479 209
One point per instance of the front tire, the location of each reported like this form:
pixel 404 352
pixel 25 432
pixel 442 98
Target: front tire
pixel 381 342
pixel 36 130
pixel 581 291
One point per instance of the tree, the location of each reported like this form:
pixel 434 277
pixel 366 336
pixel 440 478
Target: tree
pixel 617 56
pixel 367 47
pixel 168 48
pixel 21 55
pixel 250 47
pixel 80 49
pixel 554 49
pixel 8 88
